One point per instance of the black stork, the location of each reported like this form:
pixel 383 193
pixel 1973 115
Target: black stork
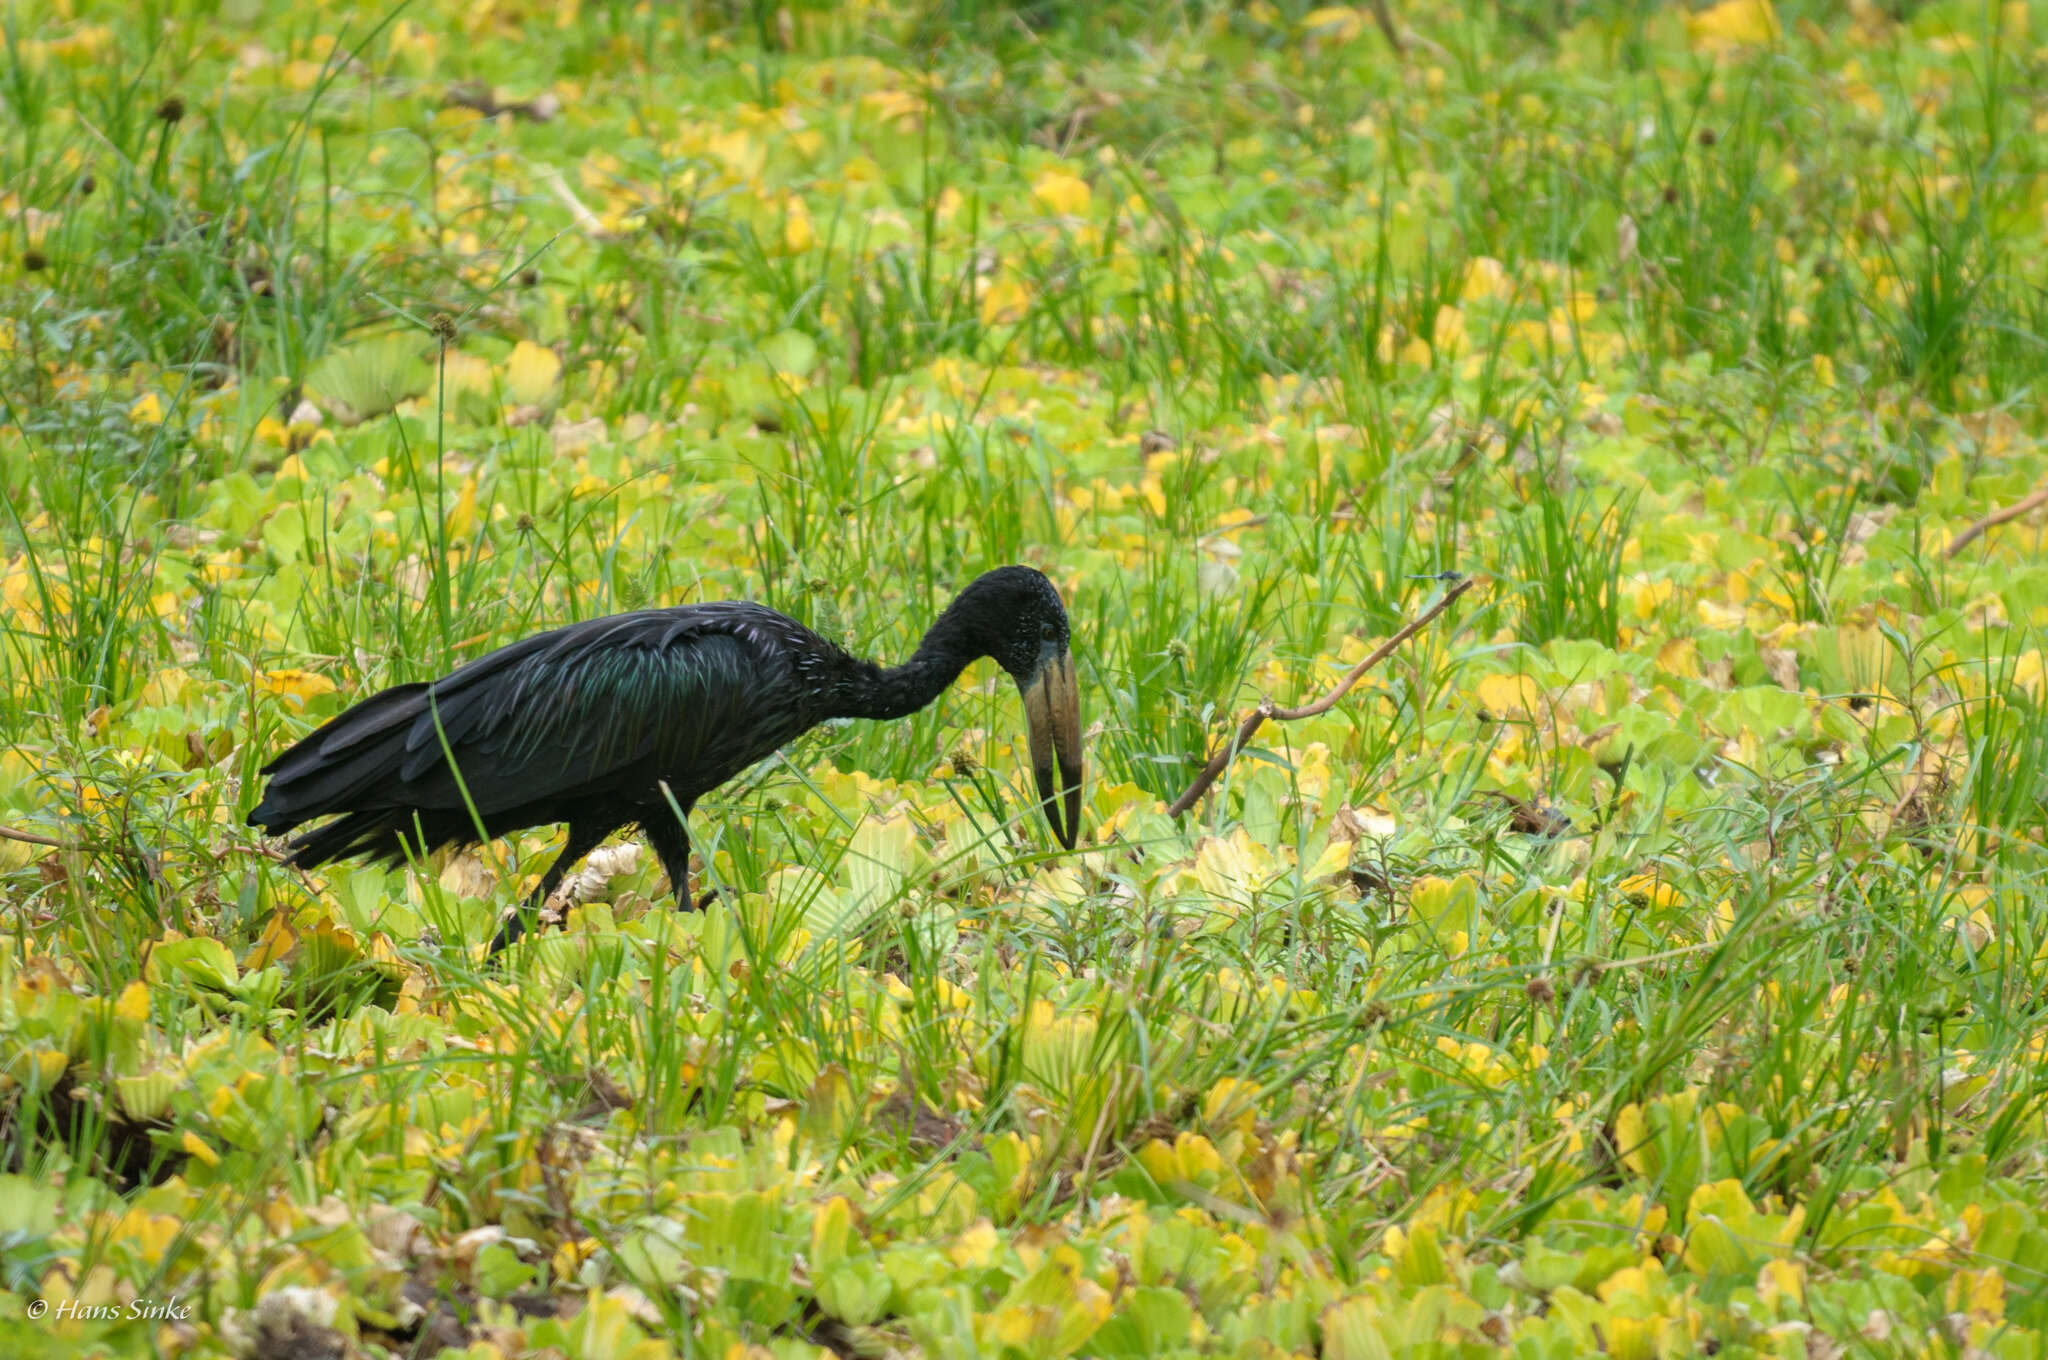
pixel 600 724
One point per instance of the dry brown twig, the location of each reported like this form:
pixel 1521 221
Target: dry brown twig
pixel 586 221
pixel 98 847
pixel 2030 502
pixel 1384 17
pixel 1219 762
pixel 482 99
pixel 8 833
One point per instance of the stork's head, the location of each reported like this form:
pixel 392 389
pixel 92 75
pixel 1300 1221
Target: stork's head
pixel 1014 614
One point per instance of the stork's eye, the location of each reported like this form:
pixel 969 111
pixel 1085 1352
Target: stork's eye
pixel 1047 632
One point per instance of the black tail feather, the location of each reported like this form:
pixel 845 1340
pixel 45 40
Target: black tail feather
pixel 372 834
pixel 385 835
pixel 331 768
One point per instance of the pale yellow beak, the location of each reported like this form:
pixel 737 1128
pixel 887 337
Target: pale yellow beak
pixel 1052 714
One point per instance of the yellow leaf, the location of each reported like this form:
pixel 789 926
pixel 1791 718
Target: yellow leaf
pixel 278 940
pixel 1649 890
pixel 1732 24
pixel 798 235
pixel 570 1256
pixel 462 373
pixel 166 688
pixel 902 107
pixel 1643 1281
pixel 196 1146
pixel 1422 1260
pixel 1062 193
pixel 1786 1278
pixel 1447 334
pixel 1004 303
pixel 976 1247
pixel 531 374
pixel 1632 1136
pixel 1159 1161
pixel 1015 1328
pixel 1486 277
pixel 1352 1331
pixel 1333 23
pixel 1198 1158
pixel 1230 1101
pixel 1232 868
pixel 743 153
pixel 1722 921
pixel 462 517
pixel 150 1235
pixel 1864 654
pixel 293 683
pixel 1720 617
pixel 148 410
pixel 1681 657
pixel 1334 858
pixel 412 47
pixel 1509 695
pixel 1979 1293
pixel 1631 1338
pixel 133 1005
pixel 42 1068
pixel 2030 673
pixel 831 1232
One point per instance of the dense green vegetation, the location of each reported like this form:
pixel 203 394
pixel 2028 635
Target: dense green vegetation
pixel 1650 957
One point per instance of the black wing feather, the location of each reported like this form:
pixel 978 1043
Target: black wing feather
pixel 697 692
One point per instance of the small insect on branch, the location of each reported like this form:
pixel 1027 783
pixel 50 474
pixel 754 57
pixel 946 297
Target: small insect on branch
pixel 1219 762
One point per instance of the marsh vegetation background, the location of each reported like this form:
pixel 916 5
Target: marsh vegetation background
pixel 1650 958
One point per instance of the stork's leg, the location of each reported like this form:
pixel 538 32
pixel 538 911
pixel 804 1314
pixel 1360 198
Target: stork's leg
pixel 584 837
pixel 671 842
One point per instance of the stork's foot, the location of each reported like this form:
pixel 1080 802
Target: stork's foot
pixel 583 838
pixel 513 928
pixel 509 931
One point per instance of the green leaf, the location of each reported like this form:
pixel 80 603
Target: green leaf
pixel 790 352
pixel 855 1291
pixel 1149 1319
pixel 27 1207
pixel 498 1271
pixel 360 381
pixel 204 961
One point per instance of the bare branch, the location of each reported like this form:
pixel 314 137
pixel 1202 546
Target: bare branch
pixel 1252 720
pixel 8 833
pixel 1384 17
pixel 2033 501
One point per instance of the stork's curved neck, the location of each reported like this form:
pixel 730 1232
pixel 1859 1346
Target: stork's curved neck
pixel 898 691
